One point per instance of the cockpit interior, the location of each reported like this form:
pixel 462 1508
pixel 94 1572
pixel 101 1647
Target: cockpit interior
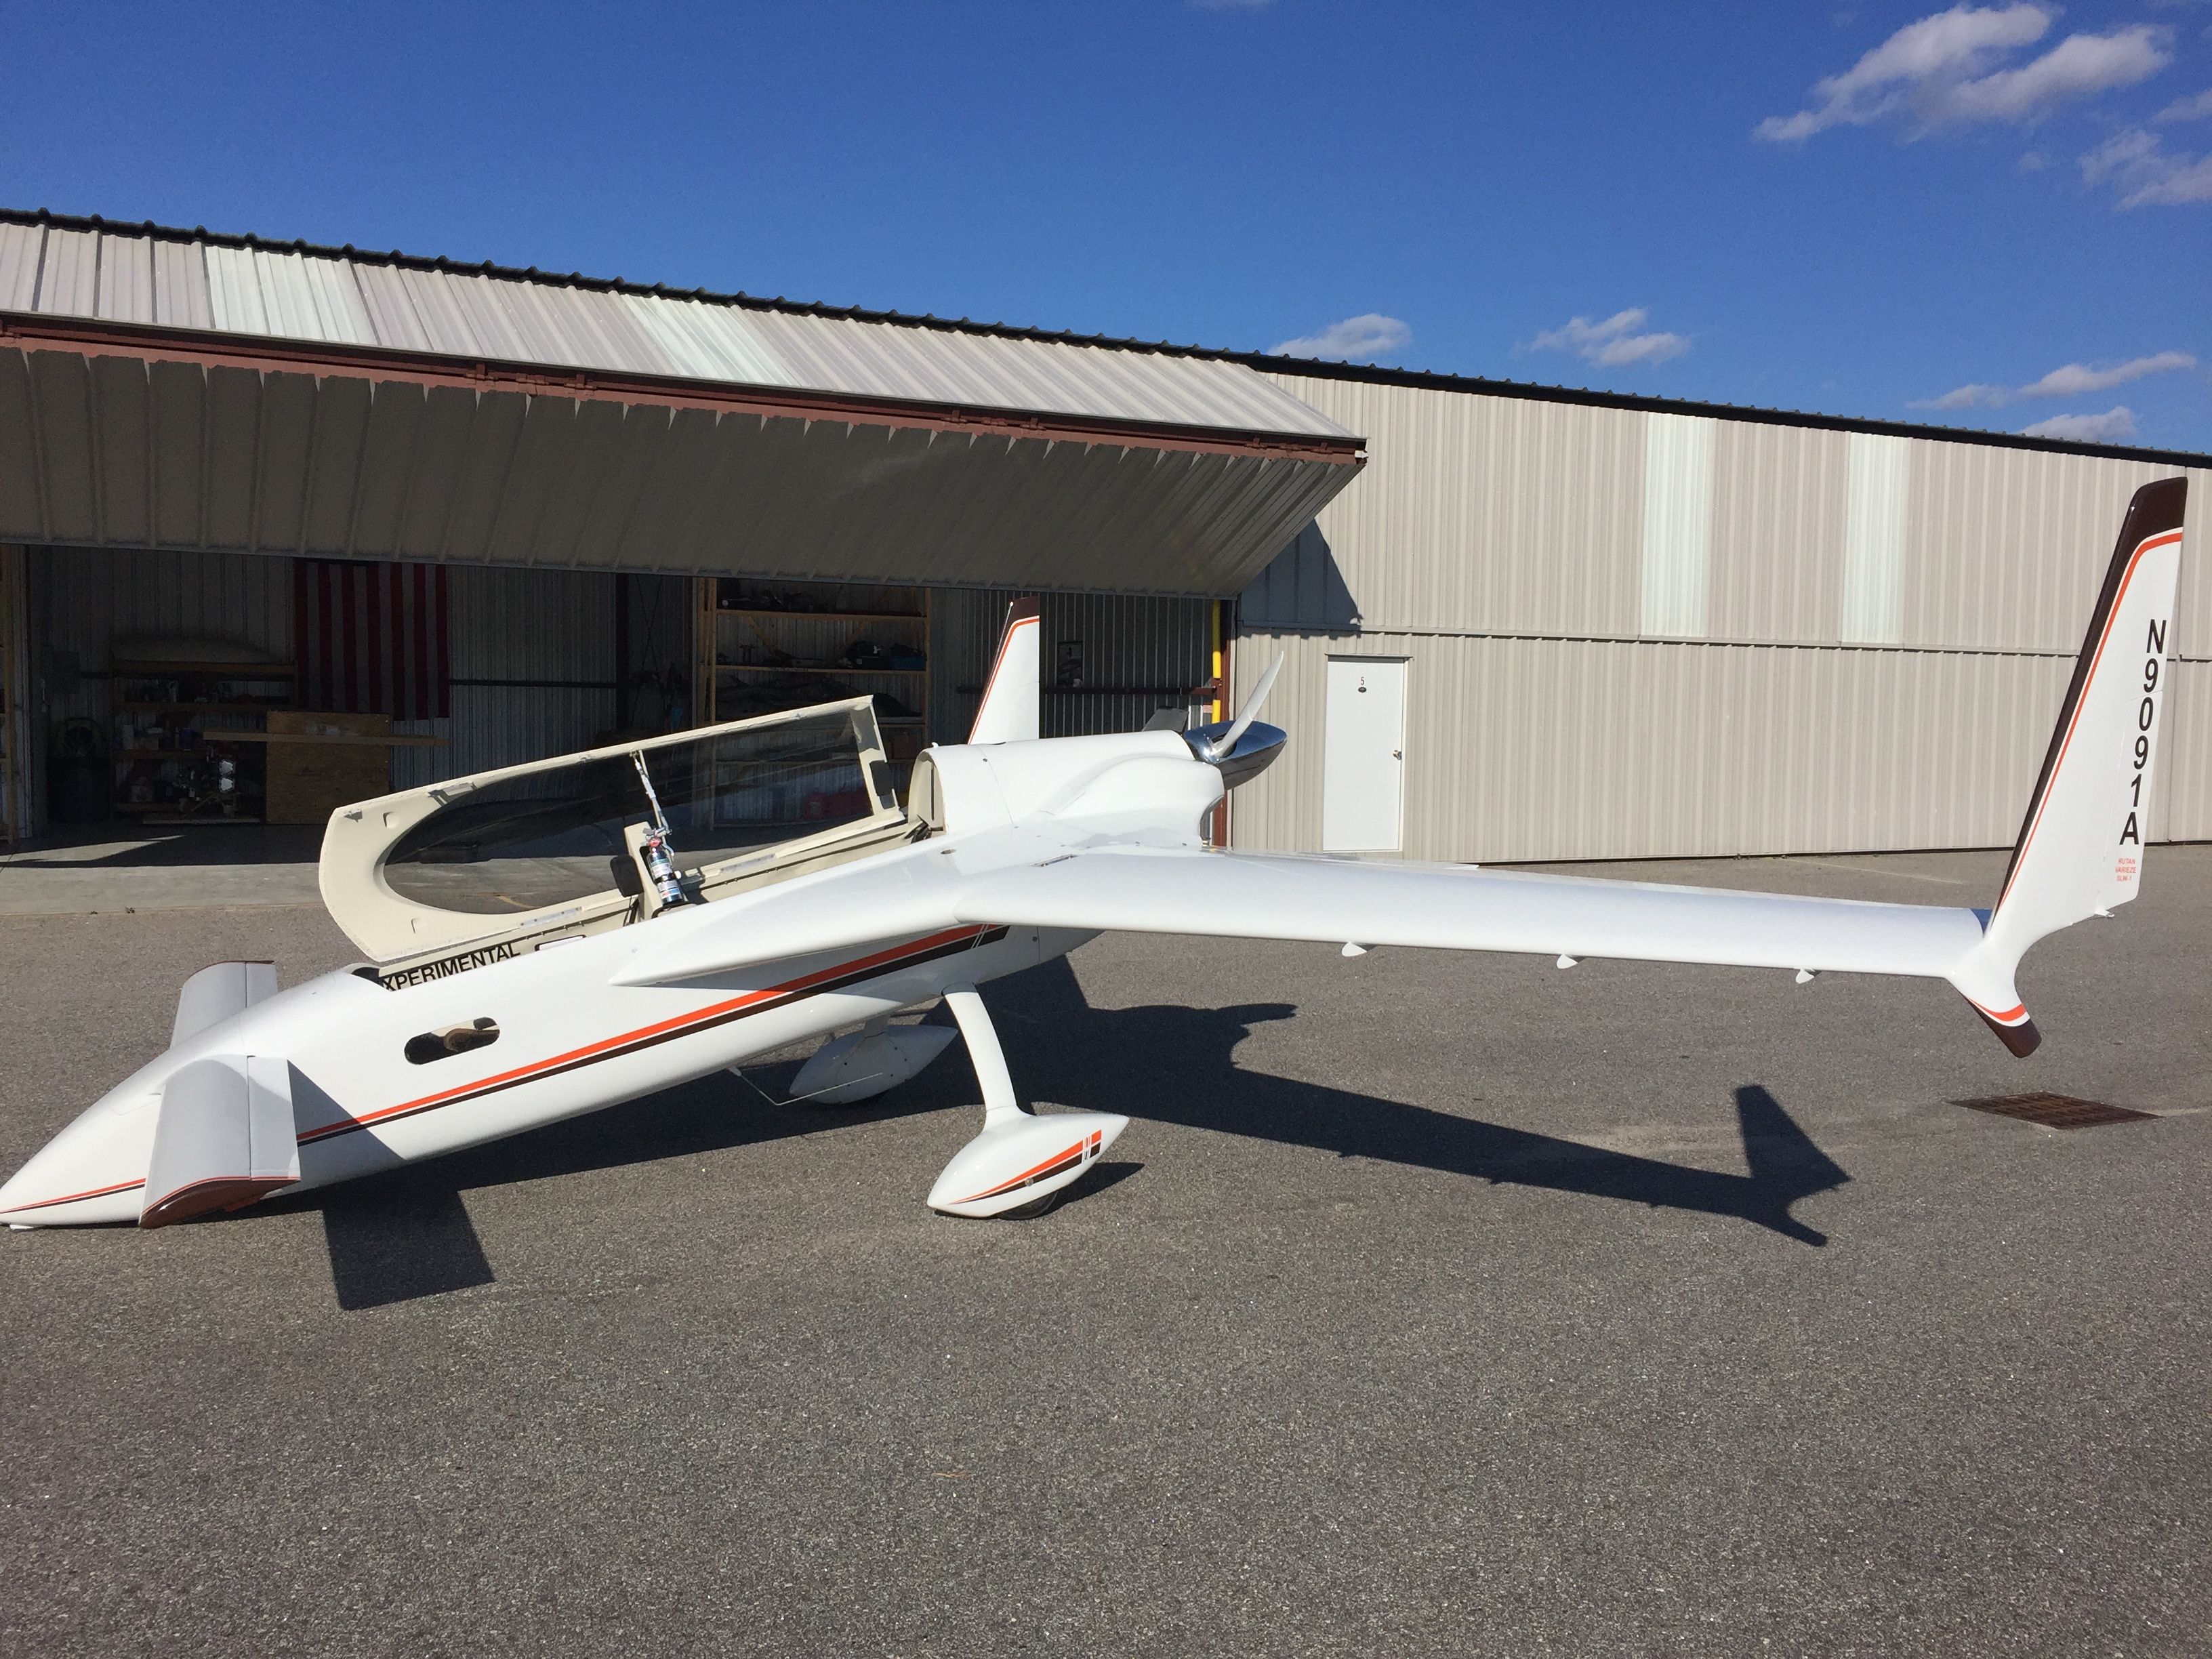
pixel 524 855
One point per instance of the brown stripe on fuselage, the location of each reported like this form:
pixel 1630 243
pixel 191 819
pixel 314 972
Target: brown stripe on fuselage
pixel 931 949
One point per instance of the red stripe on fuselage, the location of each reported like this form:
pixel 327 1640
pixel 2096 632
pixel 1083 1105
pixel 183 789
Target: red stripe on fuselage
pixel 644 1035
pixel 71 1198
pixel 734 1008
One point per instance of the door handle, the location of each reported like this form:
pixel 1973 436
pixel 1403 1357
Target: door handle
pixel 1397 754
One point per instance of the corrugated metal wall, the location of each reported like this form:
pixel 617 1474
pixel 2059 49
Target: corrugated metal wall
pixel 1629 638
pixel 1629 634
pixel 2186 767
pixel 553 630
pixel 18 800
pixel 83 600
pixel 1532 749
pixel 547 640
pixel 656 611
pixel 1451 480
pixel 1136 656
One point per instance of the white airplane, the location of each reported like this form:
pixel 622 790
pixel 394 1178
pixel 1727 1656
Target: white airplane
pixel 541 954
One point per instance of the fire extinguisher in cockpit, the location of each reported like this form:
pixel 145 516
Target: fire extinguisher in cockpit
pixel 662 869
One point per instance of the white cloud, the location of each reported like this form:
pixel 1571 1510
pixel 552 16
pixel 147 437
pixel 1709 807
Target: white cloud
pixel 2117 154
pixel 2116 425
pixel 2067 380
pixel 1356 339
pixel 2184 179
pixel 2138 165
pixel 1965 397
pixel 1618 340
pixel 2073 379
pixel 1942 70
pixel 2188 109
pixel 1954 43
pixel 2079 66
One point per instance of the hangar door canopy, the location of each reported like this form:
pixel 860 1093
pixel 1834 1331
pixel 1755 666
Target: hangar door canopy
pixel 170 389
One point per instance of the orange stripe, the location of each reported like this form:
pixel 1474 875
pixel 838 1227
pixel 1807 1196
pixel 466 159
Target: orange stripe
pixel 268 1183
pixel 2011 1016
pixel 751 997
pixel 2095 662
pixel 97 1192
pixel 1006 645
pixel 713 1010
pixel 1016 1181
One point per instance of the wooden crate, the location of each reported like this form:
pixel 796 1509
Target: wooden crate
pixel 309 780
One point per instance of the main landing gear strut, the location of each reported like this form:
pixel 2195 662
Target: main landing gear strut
pixel 1020 1162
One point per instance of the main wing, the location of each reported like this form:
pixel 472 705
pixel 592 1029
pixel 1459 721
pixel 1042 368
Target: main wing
pixel 1062 857
pixel 1455 907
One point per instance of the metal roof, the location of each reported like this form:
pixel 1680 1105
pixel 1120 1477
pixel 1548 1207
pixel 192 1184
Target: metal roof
pixel 1422 379
pixel 151 276
pixel 15 297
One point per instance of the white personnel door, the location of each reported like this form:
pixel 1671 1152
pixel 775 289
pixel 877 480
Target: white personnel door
pixel 1363 756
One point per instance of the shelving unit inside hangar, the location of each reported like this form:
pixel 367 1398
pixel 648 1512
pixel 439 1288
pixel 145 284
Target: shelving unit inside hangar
pixel 762 647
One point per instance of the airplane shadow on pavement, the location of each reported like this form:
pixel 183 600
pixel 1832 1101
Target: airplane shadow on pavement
pixel 1177 1065
pixel 406 1235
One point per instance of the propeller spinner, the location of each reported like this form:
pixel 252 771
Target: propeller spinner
pixel 1244 747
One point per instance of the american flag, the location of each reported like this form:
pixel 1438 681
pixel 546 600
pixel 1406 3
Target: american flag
pixel 371 638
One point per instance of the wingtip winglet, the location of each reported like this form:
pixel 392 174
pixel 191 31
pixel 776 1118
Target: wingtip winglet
pixel 2014 1028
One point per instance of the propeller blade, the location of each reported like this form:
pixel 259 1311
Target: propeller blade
pixel 1227 742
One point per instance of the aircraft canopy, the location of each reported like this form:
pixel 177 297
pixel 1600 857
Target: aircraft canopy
pixel 518 856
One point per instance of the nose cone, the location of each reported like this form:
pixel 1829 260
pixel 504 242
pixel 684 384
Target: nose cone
pixel 1254 752
pixel 92 1172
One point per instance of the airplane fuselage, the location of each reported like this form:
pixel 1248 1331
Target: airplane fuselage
pixel 589 1021
pixel 569 1042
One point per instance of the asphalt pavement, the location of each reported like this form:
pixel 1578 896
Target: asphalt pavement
pixel 1431 1304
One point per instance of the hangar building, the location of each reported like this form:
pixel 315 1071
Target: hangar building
pixel 367 519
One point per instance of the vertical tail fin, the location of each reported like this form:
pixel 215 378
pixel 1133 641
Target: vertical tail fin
pixel 1008 712
pixel 2080 845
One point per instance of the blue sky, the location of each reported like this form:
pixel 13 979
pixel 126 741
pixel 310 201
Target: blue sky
pixel 1997 215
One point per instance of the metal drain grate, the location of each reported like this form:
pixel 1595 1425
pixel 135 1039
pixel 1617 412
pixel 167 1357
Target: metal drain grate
pixel 2055 1111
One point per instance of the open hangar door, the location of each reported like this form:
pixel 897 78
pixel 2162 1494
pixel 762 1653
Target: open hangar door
pixel 524 437
pixel 500 666
pixel 138 662
pixel 1109 662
